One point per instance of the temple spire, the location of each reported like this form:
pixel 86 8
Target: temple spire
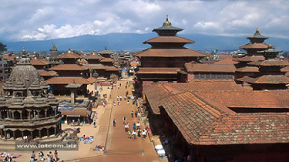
pixel 69 51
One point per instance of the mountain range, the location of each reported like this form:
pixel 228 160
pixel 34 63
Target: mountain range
pixel 133 42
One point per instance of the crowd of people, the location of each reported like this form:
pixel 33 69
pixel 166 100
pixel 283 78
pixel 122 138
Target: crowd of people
pixel 50 157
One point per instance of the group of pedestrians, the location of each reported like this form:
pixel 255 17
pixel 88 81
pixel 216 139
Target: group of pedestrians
pixel 50 157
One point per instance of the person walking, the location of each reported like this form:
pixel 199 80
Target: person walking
pixel 138 125
pixel 114 123
pixel 124 120
pixel 131 113
pixel 56 155
pixel 135 113
pixel 134 127
pixel 133 135
pixel 138 115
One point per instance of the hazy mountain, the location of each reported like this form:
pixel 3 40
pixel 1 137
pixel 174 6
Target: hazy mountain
pixel 133 42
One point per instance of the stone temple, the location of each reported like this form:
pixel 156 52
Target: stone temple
pixel 26 108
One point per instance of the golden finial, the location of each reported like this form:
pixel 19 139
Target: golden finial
pixel 93 53
pixel 167 23
pixel 270 46
pixel 23 50
pixel 68 50
pixel 257 30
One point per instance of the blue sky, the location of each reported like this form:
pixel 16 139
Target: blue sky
pixel 50 19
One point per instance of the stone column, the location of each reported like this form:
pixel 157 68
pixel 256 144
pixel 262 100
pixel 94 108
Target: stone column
pixel 21 114
pixel 47 132
pixel 55 130
pixel 8 116
pixel 13 132
pixel 55 110
pixel 0 114
pixel 72 95
pixel 31 134
pixel 12 113
pixel 34 113
pixel 39 132
pixel 5 134
pixel 22 134
pixel 45 113
pixel 38 113
pixel 29 113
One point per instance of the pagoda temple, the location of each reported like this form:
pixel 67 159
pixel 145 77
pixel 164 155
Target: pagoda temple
pixel 26 109
pixel 270 75
pixel 164 61
pixel 256 44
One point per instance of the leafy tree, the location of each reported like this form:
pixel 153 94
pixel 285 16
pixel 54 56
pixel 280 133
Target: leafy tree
pixel 2 47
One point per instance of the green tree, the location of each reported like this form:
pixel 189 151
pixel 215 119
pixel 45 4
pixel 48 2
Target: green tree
pixel 2 47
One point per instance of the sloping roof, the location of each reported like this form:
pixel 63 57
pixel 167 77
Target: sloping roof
pixel 68 80
pixel 255 46
pixel 155 92
pixel 266 79
pixel 111 68
pixel 95 66
pixel 184 52
pixel 158 70
pixel 249 99
pixel 203 118
pixel 93 57
pixel 285 69
pixel 249 58
pixel 250 69
pixel 107 60
pixel 39 62
pixel 47 73
pixel 169 39
pixel 68 67
pixel 69 55
pixel 272 62
pixel 106 52
pixel 76 112
pixel 224 68
pixel 228 60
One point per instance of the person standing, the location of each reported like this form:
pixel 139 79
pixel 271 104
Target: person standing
pixel 138 115
pixel 33 155
pixel 138 125
pixel 56 155
pixel 134 127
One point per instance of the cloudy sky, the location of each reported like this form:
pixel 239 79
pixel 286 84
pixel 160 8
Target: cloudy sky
pixel 50 19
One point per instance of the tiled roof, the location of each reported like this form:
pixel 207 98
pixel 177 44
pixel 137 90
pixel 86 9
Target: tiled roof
pixel 93 57
pixel 224 68
pixel 266 79
pixel 228 60
pixel 184 52
pixel 249 99
pixel 199 111
pixel 169 39
pixel 39 62
pixel 254 46
pixel 250 69
pixel 95 66
pixel 107 60
pixel 106 52
pixel 285 69
pixel 68 67
pixel 158 70
pixel 69 55
pixel 111 68
pixel 76 112
pixel 249 58
pixel 155 92
pixel 68 80
pixel 47 73
pixel 91 79
pixel 273 62
pixel 193 116
pixel 248 129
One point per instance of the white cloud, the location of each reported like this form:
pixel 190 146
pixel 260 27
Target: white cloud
pixel 33 19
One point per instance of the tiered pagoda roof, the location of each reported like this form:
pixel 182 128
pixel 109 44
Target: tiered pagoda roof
pixel 183 52
pixel 64 67
pixel 69 55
